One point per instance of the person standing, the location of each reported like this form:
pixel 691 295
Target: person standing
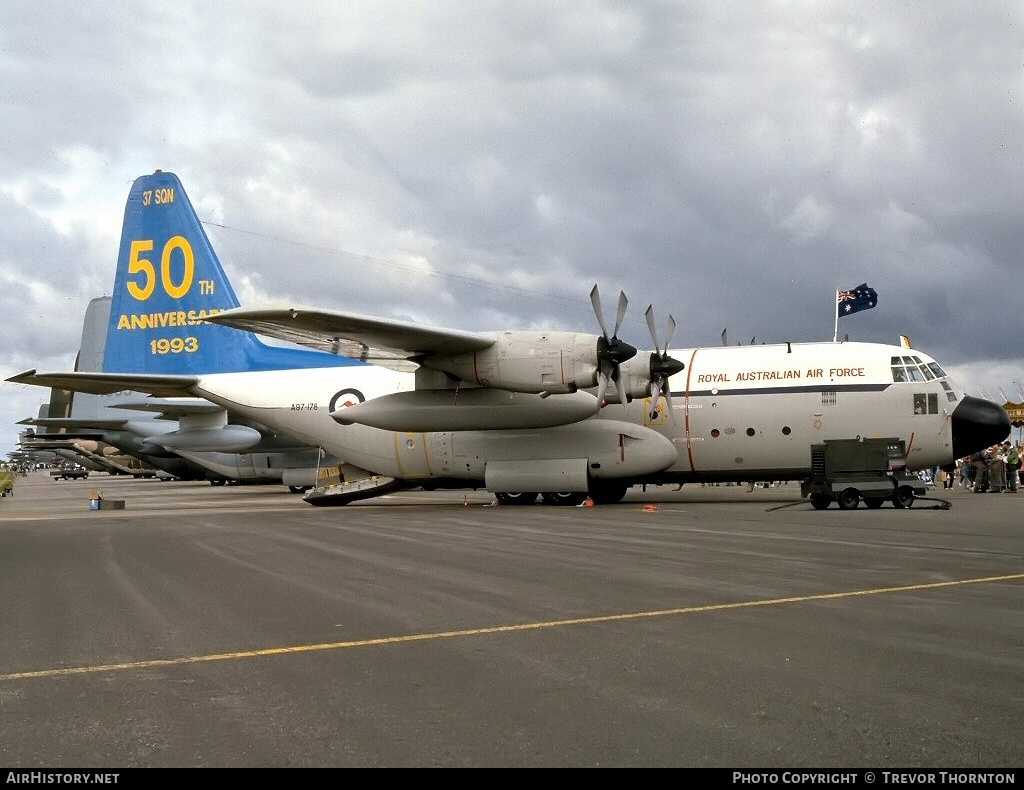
pixel 1011 458
pixel 996 470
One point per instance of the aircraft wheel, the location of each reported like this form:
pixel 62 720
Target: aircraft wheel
pixel 570 498
pixel 608 493
pixel 849 499
pixel 904 497
pixel 820 501
pixel 218 481
pixel 874 502
pixel 299 489
pixel 516 498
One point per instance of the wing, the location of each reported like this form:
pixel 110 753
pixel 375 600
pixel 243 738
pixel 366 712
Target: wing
pixel 107 383
pixel 367 338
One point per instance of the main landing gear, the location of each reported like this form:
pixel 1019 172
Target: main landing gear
pixel 599 494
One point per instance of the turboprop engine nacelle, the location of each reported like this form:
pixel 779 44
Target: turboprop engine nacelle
pixel 636 375
pixel 534 362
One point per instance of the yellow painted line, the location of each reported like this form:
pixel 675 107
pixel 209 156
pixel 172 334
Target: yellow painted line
pixel 392 640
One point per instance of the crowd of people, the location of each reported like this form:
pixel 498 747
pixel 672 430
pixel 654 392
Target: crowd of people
pixel 995 470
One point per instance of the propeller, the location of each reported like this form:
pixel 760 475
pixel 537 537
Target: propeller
pixel 611 352
pixel 662 365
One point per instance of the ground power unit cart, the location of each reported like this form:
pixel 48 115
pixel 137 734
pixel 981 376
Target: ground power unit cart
pixel 847 471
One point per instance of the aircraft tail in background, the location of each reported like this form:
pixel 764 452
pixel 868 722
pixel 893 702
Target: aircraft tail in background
pixel 168 280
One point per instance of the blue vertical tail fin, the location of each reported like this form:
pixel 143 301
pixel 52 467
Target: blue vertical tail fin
pixel 168 280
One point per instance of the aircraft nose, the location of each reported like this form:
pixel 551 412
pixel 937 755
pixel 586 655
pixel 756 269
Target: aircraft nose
pixel 978 424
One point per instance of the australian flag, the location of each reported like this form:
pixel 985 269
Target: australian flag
pixel 860 298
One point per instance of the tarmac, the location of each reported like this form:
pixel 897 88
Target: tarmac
pixel 198 626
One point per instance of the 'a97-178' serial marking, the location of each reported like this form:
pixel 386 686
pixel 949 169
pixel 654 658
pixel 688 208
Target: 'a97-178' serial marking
pixel 305 406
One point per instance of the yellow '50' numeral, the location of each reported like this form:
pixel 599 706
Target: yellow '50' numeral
pixel 142 289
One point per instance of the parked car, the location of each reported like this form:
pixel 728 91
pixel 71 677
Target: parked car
pixel 69 473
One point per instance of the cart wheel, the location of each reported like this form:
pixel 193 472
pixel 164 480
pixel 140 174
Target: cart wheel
pixel 904 497
pixel 849 499
pixel 820 501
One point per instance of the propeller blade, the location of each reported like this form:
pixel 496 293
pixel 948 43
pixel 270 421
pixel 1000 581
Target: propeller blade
pixel 602 385
pixel 655 397
pixel 671 330
pixel 621 314
pixel 621 389
pixel 668 404
pixel 595 299
pixel 649 315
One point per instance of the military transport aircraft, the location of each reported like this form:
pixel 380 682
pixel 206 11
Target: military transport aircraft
pixel 561 415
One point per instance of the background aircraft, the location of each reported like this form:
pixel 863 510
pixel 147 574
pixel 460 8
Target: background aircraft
pixel 185 438
pixel 562 414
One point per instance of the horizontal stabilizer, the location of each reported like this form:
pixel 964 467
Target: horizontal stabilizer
pixel 166 386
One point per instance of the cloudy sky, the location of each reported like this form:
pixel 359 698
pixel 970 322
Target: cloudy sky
pixel 482 165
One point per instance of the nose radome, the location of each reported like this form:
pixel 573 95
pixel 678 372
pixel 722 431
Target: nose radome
pixel 977 424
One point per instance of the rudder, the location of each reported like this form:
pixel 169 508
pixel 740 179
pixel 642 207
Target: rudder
pixel 168 279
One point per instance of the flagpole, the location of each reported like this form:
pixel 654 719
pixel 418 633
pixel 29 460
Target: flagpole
pixel 835 339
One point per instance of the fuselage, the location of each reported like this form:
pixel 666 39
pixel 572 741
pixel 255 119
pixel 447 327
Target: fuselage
pixel 738 413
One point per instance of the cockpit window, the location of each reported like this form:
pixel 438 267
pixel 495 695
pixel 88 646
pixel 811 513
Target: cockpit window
pixel 915 369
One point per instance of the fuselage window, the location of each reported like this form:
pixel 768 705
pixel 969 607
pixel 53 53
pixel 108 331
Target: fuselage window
pixel 926 403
